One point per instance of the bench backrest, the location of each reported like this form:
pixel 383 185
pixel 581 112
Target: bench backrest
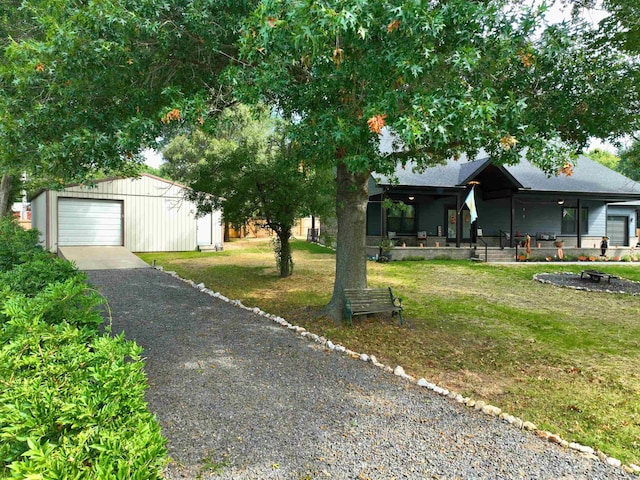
pixel 368 295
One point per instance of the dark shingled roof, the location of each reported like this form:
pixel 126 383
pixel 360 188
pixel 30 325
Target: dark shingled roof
pixel 588 177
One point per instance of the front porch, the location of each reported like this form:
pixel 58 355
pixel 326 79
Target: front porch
pixel 494 254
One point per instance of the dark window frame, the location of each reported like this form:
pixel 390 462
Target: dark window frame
pixel 401 224
pixel 573 230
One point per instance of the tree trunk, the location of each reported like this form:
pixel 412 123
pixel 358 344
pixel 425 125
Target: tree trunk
pixel 285 262
pixel 351 256
pixel 5 194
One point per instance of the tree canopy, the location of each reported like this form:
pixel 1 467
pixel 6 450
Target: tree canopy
pixel 606 158
pixel 445 78
pixel 630 161
pixel 85 85
pixel 251 170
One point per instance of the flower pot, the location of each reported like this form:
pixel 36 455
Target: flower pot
pixel 559 244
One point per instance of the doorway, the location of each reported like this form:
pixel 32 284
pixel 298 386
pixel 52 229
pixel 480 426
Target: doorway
pixel 451 219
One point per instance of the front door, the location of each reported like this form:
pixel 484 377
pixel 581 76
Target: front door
pixel 451 220
pixel 203 226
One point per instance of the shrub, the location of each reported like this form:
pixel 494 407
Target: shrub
pixel 33 276
pixel 18 245
pixel 72 402
pixel 69 301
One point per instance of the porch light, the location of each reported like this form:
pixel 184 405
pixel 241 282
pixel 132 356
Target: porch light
pixel 560 202
pixel 411 198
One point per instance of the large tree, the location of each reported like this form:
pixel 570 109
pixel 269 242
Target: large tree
pixel 446 77
pixel 630 161
pixel 85 84
pixel 250 170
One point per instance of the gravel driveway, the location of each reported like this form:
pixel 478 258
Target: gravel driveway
pixel 240 397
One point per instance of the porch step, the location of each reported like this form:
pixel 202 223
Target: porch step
pixel 218 247
pixel 495 255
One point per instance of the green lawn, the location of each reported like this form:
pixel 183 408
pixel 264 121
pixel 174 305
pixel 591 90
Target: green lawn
pixel 567 360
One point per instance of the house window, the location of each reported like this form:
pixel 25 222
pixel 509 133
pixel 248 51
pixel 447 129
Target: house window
pixel 402 219
pixel 569 221
pixel 374 218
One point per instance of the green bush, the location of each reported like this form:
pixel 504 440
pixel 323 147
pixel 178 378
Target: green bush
pixel 69 301
pixel 18 245
pixel 43 269
pixel 72 402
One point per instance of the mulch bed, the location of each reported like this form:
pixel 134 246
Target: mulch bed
pixel 573 280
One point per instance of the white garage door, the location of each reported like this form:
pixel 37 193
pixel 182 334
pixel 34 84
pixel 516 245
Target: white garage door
pixel 89 222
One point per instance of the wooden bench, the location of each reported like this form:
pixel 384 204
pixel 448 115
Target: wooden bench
pixel 596 276
pixel 371 300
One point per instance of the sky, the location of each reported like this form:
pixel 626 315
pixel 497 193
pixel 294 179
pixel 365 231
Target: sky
pixel 152 158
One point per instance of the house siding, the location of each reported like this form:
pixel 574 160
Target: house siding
pixel 628 211
pixel 39 217
pixel 156 215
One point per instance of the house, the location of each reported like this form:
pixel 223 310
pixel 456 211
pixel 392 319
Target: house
pixel 143 214
pixel 511 202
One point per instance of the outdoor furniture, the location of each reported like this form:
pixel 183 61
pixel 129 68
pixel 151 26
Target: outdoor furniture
pixel 596 276
pixel 545 236
pixel 371 300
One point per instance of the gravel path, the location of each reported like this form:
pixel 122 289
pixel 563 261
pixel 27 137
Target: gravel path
pixel 240 397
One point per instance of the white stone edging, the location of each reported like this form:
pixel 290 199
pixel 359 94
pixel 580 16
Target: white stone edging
pixel 478 405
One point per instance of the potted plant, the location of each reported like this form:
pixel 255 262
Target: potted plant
pixel 386 245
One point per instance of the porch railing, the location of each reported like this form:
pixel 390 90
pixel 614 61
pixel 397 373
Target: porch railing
pixel 504 238
pixel 486 249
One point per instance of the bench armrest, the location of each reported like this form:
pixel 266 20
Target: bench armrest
pixel 397 301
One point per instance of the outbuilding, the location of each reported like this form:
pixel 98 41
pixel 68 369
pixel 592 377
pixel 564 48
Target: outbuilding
pixel 143 214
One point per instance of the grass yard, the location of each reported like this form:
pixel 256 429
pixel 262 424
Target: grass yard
pixel 567 360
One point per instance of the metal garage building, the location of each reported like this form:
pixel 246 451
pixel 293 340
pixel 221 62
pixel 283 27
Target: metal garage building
pixel 143 214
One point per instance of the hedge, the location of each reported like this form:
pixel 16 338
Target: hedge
pixel 72 399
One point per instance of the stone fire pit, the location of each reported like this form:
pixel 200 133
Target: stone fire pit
pixel 573 280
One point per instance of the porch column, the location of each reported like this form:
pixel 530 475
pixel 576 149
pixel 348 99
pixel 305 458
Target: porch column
pixel 383 217
pixel 579 225
pixel 458 220
pixel 512 220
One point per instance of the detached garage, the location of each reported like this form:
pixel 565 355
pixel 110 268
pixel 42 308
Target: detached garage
pixel 144 214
